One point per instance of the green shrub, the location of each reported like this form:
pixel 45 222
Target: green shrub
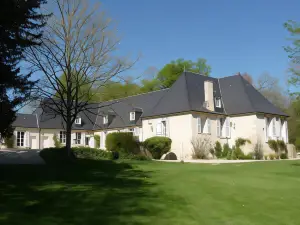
pixel 272 156
pixel 273 145
pixel 56 156
pixel 158 146
pixel 283 156
pixel 248 156
pixel 9 141
pixel 139 157
pixel 97 141
pixel 56 141
pixel 122 141
pixel 241 142
pixel 281 146
pixel 239 154
pixel 226 149
pixel 297 144
pixel 218 149
pixel 258 151
pixel 233 153
pixel 91 153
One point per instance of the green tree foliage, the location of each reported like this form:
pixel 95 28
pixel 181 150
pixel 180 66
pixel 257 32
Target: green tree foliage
pixel 171 71
pixel 20 28
pixel 116 90
pixel 150 85
pixel 294 121
pixel 293 51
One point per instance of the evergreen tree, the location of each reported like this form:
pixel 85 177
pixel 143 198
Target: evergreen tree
pixel 21 26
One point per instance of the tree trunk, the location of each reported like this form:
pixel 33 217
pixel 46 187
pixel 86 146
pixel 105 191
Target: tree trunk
pixel 69 136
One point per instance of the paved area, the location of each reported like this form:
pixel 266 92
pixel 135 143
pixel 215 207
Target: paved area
pixel 13 156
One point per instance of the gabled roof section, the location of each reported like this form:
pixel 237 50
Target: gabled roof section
pixel 240 97
pixel 186 94
pixel 25 120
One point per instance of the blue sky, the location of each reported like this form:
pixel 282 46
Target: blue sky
pixel 233 35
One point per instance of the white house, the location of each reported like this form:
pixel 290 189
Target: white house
pixel 222 109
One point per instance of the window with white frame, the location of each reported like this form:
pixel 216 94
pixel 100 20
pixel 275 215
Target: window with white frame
pixel 207 127
pixel 78 138
pixel 158 129
pixel 62 137
pixel 20 138
pixel 199 125
pixel 132 116
pixel 136 131
pixel 105 119
pixel 78 120
pixel 218 102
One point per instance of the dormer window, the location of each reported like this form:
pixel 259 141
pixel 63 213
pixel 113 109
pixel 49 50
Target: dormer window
pixel 132 116
pixel 218 102
pixel 105 119
pixel 78 120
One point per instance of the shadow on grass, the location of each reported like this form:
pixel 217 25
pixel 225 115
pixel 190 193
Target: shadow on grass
pixel 88 192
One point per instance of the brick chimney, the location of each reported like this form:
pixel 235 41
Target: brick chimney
pixel 209 95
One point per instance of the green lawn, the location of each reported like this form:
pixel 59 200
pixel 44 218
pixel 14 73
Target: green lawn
pixel 105 192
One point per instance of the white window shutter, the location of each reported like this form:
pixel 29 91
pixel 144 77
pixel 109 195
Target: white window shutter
pixel 286 132
pixel 227 127
pixel 199 125
pixel 158 128
pixel 208 125
pixel 266 129
pixel 274 126
pixel 167 128
pixel 218 127
pixel 27 134
pixel 73 137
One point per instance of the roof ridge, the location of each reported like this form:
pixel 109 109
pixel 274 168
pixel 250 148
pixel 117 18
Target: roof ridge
pixel 132 96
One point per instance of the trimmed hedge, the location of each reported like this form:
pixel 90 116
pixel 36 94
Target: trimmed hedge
pixel 56 156
pixel 91 153
pixel 158 146
pixel 122 142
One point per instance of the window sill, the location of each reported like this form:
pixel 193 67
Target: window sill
pixel 223 137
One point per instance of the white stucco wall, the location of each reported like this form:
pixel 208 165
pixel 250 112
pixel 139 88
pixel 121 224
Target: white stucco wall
pixel 47 137
pixel 178 128
pixel 31 139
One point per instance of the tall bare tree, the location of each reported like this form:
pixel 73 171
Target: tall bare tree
pixel 78 51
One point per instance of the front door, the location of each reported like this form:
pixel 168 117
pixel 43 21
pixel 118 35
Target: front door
pixel 33 142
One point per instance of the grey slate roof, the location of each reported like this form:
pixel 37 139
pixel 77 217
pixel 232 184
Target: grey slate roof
pixel 51 121
pixel 240 97
pixel 185 95
pixel 25 120
pixel 121 108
